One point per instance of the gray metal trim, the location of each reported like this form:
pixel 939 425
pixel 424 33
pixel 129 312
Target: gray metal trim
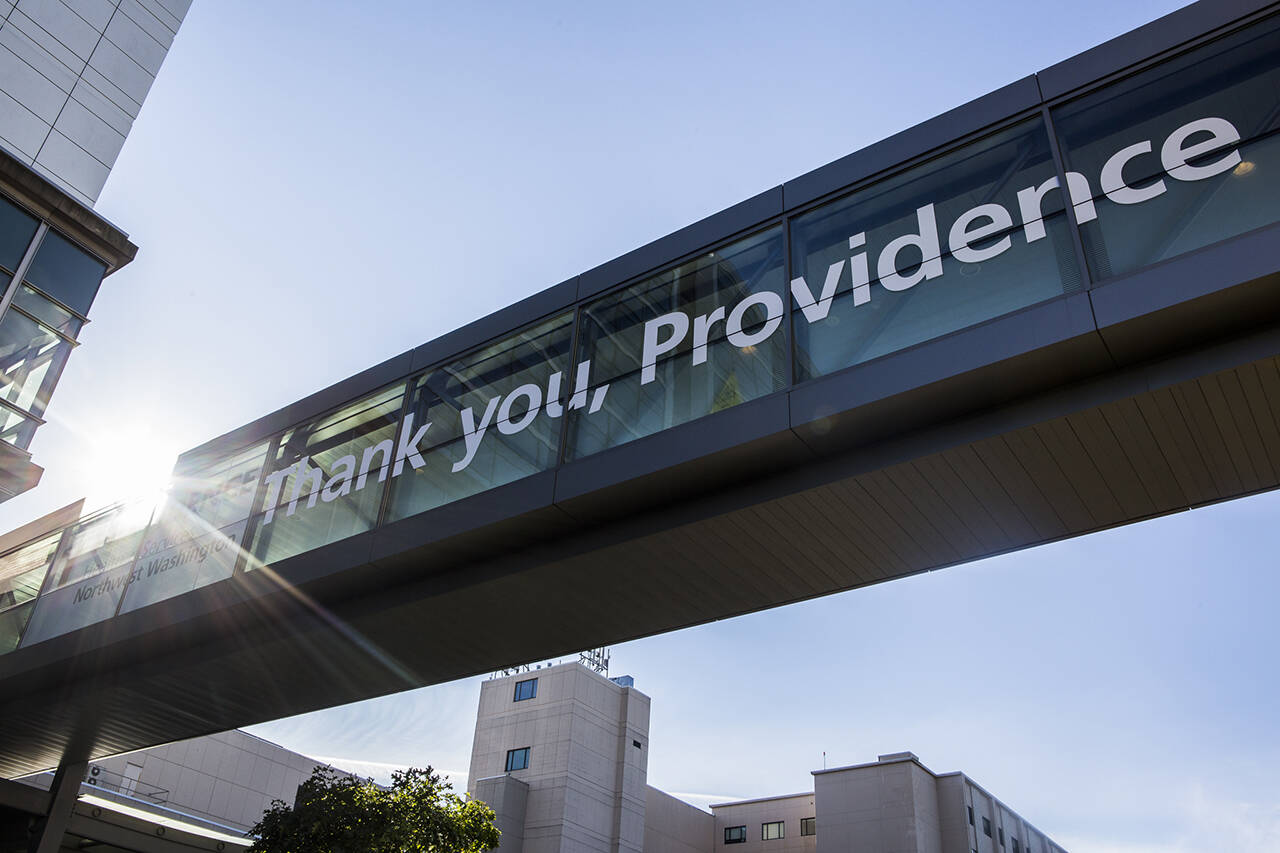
pixel 665 251
pixel 1161 35
pixel 528 310
pixel 939 131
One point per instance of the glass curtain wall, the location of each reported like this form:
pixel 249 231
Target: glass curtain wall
pixel 89 575
pixel 494 418
pixel 1168 160
pixel 46 311
pixel 22 573
pixel 198 533
pixel 1181 155
pixel 695 339
pixel 974 234
pixel 324 480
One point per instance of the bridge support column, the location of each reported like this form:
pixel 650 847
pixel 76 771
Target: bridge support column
pixel 63 793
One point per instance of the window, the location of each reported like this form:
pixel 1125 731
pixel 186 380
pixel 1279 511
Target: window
pixel 518 759
pixel 66 273
pixel 324 482
pixel 970 815
pixel 636 744
pixel 719 342
pixel 1001 830
pixel 771 831
pixel 986 827
pixel 1015 844
pixel 526 689
pixel 735 835
pixel 808 826
pixel 868 245
pixel 498 390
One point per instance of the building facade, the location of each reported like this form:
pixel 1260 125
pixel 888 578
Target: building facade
pixel 205 793
pixel 73 77
pixel 560 754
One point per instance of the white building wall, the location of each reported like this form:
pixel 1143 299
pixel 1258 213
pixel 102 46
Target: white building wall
pixel 228 778
pixel 586 776
pixel 674 826
pixel 73 76
pixel 754 814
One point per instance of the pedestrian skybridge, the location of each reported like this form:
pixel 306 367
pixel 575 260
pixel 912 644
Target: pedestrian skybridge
pixel 1050 311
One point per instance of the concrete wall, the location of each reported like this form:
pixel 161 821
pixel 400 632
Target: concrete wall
pixel 674 826
pixel 228 778
pixel 956 793
pixel 753 813
pixel 886 807
pixel 509 799
pixel 73 76
pixel 586 776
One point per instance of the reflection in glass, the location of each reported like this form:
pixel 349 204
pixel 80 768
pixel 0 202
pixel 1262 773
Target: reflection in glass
pixel 1233 186
pixel 198 531
pixel 49 313
pixel 15 428
pixel 494 415
pixel 90 572
pixel 66 272
pixel 16 230
pixel 969 236
pixel 326 479
pixel 31 359
pixel 715 340
pixel 23 570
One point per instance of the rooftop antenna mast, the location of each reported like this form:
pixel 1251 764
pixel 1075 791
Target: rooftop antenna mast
pixel 596 659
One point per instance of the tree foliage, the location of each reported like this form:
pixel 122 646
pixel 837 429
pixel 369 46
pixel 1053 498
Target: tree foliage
pixel 418 813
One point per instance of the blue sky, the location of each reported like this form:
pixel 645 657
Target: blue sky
pixel 316 189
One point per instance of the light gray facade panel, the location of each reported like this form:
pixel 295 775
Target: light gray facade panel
pixel 111 92
pixel 108 57
pixel 72 164
pixel 146 19
pixel 136 43
pixel 96 12
pixel 28 86
pixel 89 132
pixel 122 70
pixel 45 63
pixel 21 130
pixel 46 42
pixel 57 20
pixel 161 13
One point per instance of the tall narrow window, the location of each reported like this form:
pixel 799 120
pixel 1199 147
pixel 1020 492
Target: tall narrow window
pixel 808 826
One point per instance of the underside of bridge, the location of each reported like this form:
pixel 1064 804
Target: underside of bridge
pixel 1142 394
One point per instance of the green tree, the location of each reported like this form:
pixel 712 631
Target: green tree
pixel 419 813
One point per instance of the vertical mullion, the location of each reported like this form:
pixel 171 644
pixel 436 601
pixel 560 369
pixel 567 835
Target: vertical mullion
pixel 569 376
pixel 255 508
pixel 23 265
pixel 137 552
pixel 788 313
pixel 1059 165
pixel 384 503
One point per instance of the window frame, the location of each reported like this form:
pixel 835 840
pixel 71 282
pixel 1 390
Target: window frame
pixel 782 830
pixel 533 690
pixel 739 834
pixel 522 751
pixel 811 823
